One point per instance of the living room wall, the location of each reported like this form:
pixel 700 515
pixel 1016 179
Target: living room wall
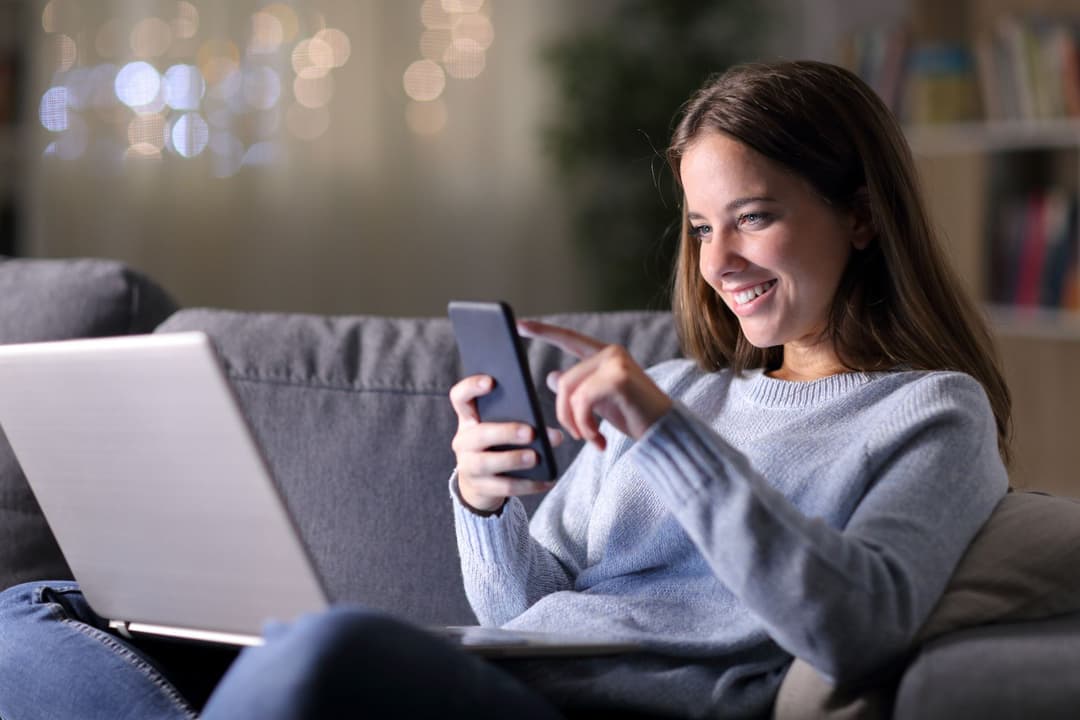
pixel 373 215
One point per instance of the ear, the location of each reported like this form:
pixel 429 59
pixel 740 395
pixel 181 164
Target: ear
pixel 862 220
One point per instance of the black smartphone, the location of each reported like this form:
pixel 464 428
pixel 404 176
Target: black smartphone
pixel 489 344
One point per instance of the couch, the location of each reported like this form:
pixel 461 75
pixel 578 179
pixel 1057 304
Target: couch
pixel 353 415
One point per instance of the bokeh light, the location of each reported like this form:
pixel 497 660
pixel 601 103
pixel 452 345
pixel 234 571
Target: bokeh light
pixel 151 38
pixel 174 93
pixel 338 42
pixel 184 87
pixel 313 92
pixel 217 59
pixel 434 16
pixel 147 129
pixel 312 58
pixel 53 111
pixel 186 23
pixel 474 27
pixel 62 52
pixel 424 80
pixel 465 59
pixel 434 44
pixel 290 24
pixel 190 135
pixel 267 34
pixel 137 84
pixel 462 6
pixel 142 152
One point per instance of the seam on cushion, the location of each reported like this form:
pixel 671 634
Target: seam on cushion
pixel 320 385
pixel 127 654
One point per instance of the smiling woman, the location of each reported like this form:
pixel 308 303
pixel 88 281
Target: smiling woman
pixel 844 209
pixel 772 249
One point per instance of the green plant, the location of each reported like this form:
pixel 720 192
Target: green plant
pixel 620 82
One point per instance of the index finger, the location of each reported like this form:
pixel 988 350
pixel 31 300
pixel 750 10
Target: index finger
pixel 464 392
pixel 577 344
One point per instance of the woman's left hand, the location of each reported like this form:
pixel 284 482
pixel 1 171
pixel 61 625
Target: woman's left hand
pixel 607 384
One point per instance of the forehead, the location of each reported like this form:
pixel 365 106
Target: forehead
pixel 717 169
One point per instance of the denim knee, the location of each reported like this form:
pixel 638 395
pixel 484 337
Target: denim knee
pixel 44 601
pixel 349 661
pixel 58 660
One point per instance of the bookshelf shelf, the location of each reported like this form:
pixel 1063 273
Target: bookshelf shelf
pixel 994 136
pixel 1009 321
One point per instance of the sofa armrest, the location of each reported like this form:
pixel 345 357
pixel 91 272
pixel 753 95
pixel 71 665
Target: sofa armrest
pixel 59 300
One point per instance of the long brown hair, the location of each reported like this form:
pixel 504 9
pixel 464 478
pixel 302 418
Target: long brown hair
pixel 899 302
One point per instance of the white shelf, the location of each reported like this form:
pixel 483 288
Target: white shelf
pixel 1034 322
pixel 1001 136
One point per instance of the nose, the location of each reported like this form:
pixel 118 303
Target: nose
pixel 720 256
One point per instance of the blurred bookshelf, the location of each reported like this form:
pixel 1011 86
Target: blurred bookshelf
pixel 988 92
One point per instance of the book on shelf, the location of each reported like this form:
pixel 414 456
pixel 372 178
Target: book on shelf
pixel 1034 255
pixel 1022 68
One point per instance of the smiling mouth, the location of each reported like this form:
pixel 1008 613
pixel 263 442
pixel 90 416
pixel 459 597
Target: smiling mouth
pixel 744 296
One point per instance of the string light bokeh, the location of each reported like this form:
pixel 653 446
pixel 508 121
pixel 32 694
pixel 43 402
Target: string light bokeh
pixel 453 44
pixel 161 87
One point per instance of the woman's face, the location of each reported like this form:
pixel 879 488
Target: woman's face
pixel 770 246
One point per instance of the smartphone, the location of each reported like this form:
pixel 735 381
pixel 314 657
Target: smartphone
pixel 489 344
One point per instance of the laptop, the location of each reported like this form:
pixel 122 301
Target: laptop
pixel 162 501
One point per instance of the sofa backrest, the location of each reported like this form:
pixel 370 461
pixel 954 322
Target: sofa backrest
pixel 44 300
pixel 353 415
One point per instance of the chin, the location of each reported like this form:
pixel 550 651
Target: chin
pixel 760 340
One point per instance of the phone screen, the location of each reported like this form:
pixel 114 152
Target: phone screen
pixel 489 344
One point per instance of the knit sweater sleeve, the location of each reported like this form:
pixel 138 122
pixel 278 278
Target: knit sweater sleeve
pixel 505 569
pixel 845 600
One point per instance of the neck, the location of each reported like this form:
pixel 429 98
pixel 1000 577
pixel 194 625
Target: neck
pixel 804 363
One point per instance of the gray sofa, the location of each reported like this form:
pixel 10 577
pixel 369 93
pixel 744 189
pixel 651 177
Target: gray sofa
pixel 353 415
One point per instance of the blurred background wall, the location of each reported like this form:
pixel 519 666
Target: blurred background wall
pixel 375 156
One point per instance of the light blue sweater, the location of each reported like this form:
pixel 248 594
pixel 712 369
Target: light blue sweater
pixel 758 520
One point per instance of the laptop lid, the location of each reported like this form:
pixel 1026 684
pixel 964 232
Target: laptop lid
pixel 153 485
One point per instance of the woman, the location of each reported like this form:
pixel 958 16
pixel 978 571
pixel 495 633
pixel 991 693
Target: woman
pixel 803 486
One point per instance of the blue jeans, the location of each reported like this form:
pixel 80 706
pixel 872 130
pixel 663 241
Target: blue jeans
pixel 58 659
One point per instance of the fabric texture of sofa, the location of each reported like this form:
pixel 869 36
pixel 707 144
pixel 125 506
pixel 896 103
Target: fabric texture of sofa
pixel 353 416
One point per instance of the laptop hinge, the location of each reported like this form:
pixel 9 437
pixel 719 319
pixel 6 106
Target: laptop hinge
pixel 121 628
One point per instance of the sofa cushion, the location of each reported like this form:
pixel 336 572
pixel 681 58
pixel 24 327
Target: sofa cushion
pixel 354 418
pixel 58 300
pixel 1020 566
pixel 1011 670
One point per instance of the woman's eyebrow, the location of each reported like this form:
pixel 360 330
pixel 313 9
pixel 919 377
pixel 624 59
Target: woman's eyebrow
pixel 740 202
pixel 735 205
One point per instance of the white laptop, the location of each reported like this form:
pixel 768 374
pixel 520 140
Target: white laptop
pixel 161 499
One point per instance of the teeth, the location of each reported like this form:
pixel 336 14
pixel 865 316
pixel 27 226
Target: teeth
pixel 744 296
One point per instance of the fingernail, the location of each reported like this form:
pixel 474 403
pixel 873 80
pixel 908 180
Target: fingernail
pixel 524 433
pixel 483 383
pixel 528 457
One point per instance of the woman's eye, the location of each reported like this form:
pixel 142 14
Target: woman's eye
pixel 700 231
pixel 753 219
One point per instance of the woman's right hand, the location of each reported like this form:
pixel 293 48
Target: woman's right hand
pixel 478 468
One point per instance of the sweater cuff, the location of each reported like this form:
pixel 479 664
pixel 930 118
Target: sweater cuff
pixel 493 539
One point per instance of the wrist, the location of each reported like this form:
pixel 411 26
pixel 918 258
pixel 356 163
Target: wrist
pixel 478 505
